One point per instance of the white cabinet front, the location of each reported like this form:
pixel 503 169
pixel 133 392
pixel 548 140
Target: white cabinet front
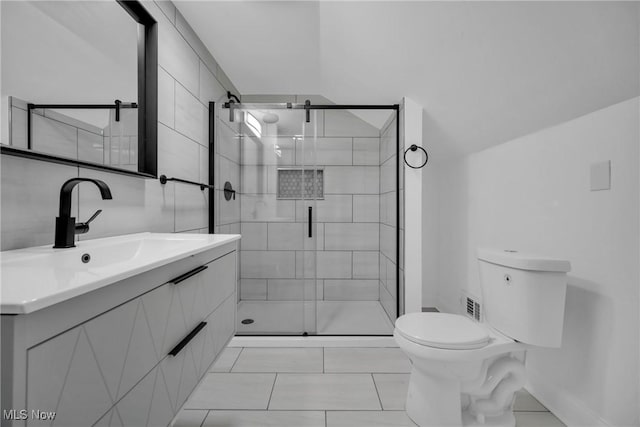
pixel 117 368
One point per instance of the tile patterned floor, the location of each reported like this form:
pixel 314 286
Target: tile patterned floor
pixel 316 387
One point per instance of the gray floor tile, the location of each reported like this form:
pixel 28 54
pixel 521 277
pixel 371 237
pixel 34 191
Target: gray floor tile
pixel 388 360
pixel 537 419
pixel 189 418
pixel 232 391
pixel 226 360
pixel 265 419
pixel 368 419
pixel 526 402
pixel 307 360
pixel 392 389
pixel 324 392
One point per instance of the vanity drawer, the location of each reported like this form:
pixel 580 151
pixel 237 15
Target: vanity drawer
pixel 177 307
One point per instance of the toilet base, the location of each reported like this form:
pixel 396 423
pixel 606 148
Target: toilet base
pixel 433 401
pixel 505 420
pixel 472 394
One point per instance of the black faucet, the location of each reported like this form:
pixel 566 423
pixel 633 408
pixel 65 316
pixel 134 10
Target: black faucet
pixel 66 227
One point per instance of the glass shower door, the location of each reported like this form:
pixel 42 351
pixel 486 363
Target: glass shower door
pixel 278 187
pixel 312 190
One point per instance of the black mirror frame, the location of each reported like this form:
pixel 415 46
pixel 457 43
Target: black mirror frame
pixel 147 103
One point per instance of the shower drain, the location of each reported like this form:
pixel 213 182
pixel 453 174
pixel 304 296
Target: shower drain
pixel 247 321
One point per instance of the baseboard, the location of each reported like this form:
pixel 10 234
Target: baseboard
pixel 571 411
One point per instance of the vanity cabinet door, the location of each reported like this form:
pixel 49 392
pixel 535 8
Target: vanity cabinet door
pixel 221 328
pixel 81 373
pixel 181 370
pixel 64 377
pixel 123 344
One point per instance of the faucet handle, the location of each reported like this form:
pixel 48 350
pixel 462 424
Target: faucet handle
pixel 83 227
pixel 98 212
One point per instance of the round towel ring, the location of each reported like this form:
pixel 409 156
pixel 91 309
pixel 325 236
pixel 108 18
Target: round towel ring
pixel 414 147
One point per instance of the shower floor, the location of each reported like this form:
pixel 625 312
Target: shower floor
pixel 334 317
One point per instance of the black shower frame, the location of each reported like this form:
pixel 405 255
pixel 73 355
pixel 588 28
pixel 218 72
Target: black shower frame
pixel 308 106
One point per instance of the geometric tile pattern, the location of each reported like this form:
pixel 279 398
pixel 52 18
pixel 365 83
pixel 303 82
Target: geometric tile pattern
pixel 114 369
pixel 349 398
pixel 290 183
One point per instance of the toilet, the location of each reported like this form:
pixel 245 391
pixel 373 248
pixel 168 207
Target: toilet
pixel 465 372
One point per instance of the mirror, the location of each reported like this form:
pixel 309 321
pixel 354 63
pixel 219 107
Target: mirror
pixel 79 82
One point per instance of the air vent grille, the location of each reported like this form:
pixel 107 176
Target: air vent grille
pixel 470 307
pixel 473 308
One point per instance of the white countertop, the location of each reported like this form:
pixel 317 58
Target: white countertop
pixel 38 277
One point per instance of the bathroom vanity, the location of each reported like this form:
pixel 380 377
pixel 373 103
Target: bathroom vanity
pixel 116 331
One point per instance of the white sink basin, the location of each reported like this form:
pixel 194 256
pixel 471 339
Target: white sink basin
pixel 38 277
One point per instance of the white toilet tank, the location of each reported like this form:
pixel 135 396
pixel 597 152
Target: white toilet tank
pixel 523 295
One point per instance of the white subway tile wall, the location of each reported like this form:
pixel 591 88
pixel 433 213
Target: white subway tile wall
pixel 191 116
pixel 347 233
pixel 333 208
pixel 254 236
pixel 166 98
pixel 268 264
pixel 363 154
pixel 366 208
pixel 188 79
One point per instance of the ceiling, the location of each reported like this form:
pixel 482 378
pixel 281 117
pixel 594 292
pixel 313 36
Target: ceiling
pixel 485 72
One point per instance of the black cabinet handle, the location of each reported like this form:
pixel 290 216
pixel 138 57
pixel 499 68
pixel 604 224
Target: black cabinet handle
pixel 175 350
pixel 310 221
pixel 188 274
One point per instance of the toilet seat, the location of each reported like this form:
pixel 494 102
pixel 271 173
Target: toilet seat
pixel 442 330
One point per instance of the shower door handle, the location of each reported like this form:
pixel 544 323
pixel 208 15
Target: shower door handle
pixel 310 221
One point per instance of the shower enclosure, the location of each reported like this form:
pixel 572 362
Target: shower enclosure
pixel 314 191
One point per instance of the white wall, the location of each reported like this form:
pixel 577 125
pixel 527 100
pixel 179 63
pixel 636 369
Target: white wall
pixel 533 194
pixel 412 134
pixel 430 224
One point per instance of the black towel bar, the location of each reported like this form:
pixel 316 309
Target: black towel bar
pixel 164 179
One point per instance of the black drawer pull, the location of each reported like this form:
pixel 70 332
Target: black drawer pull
pixel 188 274
pixel 175 350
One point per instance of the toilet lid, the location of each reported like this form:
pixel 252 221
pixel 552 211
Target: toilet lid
pixel 442 330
